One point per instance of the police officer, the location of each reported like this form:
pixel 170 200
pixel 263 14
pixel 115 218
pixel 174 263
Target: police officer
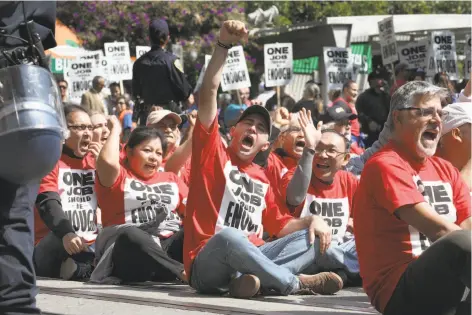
pixel 158 76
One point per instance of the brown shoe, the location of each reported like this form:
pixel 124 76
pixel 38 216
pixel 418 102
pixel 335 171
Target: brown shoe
pixel 321 283
pixel 244 287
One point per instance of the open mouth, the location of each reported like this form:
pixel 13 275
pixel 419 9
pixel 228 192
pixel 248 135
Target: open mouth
pixel 103 139
pixel 430 135
pixel 84 144
pixel 322 166
pixel 150 166
pixel 247 142
pixel 300 144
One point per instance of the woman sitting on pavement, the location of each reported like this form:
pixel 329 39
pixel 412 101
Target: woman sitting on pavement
pixel 142 237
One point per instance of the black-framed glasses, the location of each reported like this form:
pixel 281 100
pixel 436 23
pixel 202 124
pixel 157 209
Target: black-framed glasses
pixel 81 127
pixel 427 112
pixel 331 153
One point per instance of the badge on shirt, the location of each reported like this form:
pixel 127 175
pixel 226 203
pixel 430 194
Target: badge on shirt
pixel 178 65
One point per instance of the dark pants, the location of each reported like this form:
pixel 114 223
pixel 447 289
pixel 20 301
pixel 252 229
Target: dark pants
pixel 49 254
pixel 136 257
pixel 436 281
pixel 17 277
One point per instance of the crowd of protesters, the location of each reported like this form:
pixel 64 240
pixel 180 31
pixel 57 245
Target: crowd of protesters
pixel 248 197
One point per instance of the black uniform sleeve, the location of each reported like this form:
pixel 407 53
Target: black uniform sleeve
pixel 182 89
pixel 136 86
pixel 50 210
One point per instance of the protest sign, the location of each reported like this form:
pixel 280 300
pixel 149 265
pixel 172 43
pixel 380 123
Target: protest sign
pixel 141 50
pixel 339 67
pixel 202 73
pixel 117 50
pixel 235 74
pixel 79 74
pixel 467 52
pixel 414 54
pixel 119 62
pixel 442 54
pixel 388 42
pixel 278 64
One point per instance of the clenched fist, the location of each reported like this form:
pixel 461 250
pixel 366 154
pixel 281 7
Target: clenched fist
pixel 233 31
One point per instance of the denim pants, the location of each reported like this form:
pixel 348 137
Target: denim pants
pixel 276 264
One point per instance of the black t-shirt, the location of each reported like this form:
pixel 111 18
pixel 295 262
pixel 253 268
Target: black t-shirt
pixel 308 105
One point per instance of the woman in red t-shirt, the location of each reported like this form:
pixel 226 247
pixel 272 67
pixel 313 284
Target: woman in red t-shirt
pixel 141 210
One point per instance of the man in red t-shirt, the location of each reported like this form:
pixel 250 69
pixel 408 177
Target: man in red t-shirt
pixel 231 203
pixel 410 212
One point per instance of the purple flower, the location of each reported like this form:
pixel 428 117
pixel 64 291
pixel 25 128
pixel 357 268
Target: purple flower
pixel 219 12
pixel 99 34
pixel 75 15
pixel 184 12
pixel 198 66
pixel 81 22
pixel 146 16
pixel 121 14
pixel 212 11
pixel 182 42
pixel 211 36
pixel 241 10
pixel 253 60
pixel 229 9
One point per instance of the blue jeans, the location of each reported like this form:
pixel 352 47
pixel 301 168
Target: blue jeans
pixel 276 264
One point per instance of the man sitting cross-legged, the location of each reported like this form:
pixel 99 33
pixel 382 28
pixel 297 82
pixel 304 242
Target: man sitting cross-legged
pixel 230 203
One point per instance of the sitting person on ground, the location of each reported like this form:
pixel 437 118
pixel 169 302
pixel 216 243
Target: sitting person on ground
pixel 65 223
pixel 318 186
pixel 339 117
pixel 455 143
pixel 142 239
pixel 231 203
pixel 411 213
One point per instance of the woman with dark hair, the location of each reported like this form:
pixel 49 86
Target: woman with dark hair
pixel 311 101
pixel 141 208
pixel 442 79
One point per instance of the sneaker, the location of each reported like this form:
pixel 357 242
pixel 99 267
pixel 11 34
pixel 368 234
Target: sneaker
pixel 244 287
pixel 72 270
pixel 321 283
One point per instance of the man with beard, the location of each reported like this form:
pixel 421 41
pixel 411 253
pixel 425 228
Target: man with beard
pixel 372 107
pixel 410 213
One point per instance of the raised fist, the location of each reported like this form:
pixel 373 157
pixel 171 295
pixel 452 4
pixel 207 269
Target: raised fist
pixel 233 31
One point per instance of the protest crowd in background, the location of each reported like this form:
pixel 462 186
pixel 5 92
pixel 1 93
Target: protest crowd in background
pixel 221 187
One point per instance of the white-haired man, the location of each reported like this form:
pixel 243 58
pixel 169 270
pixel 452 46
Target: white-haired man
pixel 406 199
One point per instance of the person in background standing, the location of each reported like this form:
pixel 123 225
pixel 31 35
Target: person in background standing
pixel 285 100
pixel 401 77
pixel 158 76
pixel 115 92
pixel 91 100
pixel 311 101
pixel 441 79
pixel 348 98
pixel 419 75
pixel 63 85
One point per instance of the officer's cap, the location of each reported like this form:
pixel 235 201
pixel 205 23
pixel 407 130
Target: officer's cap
pixel 158 27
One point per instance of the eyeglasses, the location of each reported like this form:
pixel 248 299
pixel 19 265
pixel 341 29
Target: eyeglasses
pixel 62 87
pixel 331 153
pixel 81 127
pixel 427 112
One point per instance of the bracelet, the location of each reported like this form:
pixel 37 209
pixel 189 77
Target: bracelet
pixel 223 45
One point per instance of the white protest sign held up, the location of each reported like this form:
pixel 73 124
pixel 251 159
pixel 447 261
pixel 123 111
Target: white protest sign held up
pixel 96 55
pixel 117 50
pixel 388 42
pixel 80 74
pixel 119 70
pixel 202 73
pixel 141 50
pixel 467 52
pixel 442 54
pixel 278 64
pixel 339 67
pixel 235 74
pixel 414 54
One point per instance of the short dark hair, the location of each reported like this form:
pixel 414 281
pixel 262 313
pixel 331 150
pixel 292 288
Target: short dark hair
pixel 347 84
pixel 72 108
pixel 62 80
pixel 113 84
pixel 158 38
pixel 141 134
pixel 347 142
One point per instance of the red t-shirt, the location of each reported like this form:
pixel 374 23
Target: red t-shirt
pixel 137 201
pixel 332 202
pixel 226 192
pixel 385 244
pixel 73 179
pixel 276 168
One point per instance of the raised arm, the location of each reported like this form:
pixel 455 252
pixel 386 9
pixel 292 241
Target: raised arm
pixel 108 161
pixel 230 33
pixel 183 152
